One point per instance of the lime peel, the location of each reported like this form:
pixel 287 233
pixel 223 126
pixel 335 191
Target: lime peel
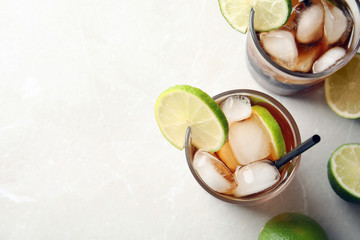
pixel 295 226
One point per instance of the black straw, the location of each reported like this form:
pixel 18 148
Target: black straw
pixel 298 150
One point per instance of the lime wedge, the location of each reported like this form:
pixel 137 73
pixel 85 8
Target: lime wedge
pixel 269 14
pixel 344 172
pixel 274 130
pixel 342 90
pixel 182 106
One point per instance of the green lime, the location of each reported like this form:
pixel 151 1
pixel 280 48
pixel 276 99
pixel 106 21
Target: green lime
pixel 274 131
pixel 269 14
pixel 344 172
pixel 342 90
pixel 292 226
pixel 182 106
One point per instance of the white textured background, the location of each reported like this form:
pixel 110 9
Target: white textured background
pixel 81 156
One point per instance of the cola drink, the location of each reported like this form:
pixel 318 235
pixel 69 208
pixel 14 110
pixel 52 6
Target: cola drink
pixel 219 174
pixel 318 39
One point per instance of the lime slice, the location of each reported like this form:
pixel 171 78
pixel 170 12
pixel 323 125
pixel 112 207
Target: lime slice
pixel 274 130
pixel 182 106
pixel 342 90
pixel 269 14
pixel 344 172
pixel 294 226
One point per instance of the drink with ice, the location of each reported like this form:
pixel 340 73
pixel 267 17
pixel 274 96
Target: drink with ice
pixel 241 171
pixel 319 38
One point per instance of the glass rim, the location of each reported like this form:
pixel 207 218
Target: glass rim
pixel 308 76
pixel 256 198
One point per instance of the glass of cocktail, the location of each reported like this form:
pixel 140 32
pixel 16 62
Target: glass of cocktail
pixel 318 39
pixel 233 157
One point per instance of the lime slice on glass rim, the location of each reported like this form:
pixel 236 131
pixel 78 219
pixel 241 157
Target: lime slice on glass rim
pixel 182 106
pixel 274 131
pixel 269 14
pixel 342 90
pixel 344 172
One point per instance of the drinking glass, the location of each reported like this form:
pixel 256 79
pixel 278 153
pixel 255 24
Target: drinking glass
pixel 282 81
pixel 292 139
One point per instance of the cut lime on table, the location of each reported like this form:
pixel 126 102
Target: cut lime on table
pixel 344 172
pixel 342 90
pixel 182 106
pixel 273 129
pixel 269 14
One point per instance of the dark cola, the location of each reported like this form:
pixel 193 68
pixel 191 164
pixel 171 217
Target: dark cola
pixel 316 37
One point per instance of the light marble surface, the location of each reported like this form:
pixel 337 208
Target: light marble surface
pixel 81 156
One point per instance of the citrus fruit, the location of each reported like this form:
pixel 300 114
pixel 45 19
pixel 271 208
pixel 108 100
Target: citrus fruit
pixel 182 106
pixel 269 14
pixel 292 226
pixel 342 90
pixel 274 131
pixel 344 172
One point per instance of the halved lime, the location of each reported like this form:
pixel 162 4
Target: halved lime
pixel 182 106
pixel 269 14
pixel 342 90
pixel 344 172
pixel 274 130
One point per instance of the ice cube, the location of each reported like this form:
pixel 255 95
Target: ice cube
pixel 249 141
pixel 255 177
pixel 236 108
pixel 213 172
pixel 306 59
pixel 335 23
pixel 328 59
pixel 281 46
pixel 310 24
